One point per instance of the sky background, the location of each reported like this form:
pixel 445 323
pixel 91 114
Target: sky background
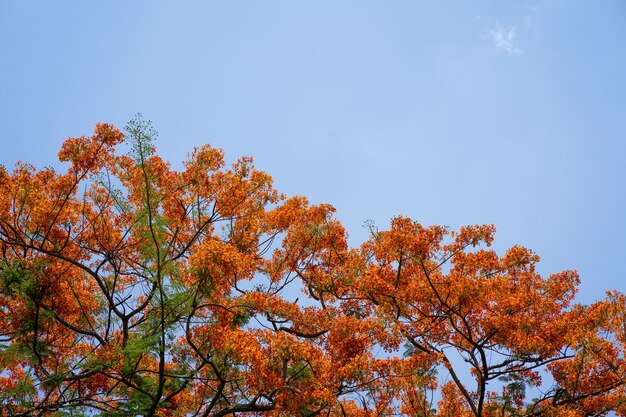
pixel 451 113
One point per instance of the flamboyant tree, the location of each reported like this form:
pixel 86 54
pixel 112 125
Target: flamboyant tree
pixel 131 288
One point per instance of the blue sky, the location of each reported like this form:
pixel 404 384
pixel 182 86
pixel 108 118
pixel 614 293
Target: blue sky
pixel 512 113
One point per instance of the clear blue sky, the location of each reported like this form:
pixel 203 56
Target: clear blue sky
pixel 512 113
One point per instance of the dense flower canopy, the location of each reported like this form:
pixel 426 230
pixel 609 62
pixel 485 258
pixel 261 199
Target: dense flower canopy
pixel 130 288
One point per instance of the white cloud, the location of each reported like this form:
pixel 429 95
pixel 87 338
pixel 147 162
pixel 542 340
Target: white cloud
pixel 503 39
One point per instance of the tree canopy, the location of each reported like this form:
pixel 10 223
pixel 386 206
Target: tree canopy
pixel 131 288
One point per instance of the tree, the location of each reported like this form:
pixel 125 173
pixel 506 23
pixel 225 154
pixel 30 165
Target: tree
pixel 130 288
pixel 449 298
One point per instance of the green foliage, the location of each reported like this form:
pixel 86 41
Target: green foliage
pixel 141 135
pixel 299 371
pixel 20 279
pixel 241 318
